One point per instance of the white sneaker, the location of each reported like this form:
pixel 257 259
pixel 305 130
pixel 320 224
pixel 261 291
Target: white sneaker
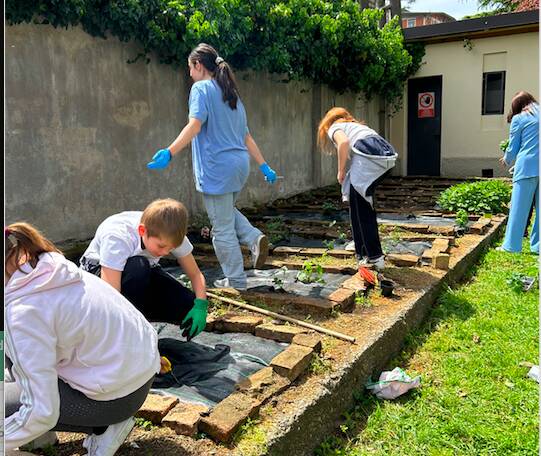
pixel 260 251
pixel 350 246
pixel 378 263
pixel 107 443
pixel 224 283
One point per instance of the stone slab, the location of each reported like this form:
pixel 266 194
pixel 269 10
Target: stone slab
pixel 345 298
pixel 444 230
pixel 441 245
pixel 323 306
pixel 184 418
pixel 312 341
pixel 156 407
pixel 228 416
pixel 237 323
pixel 355 283
pixel 441 261
pixel 292 361
pixel 281 333
pixel 481 226
pixel 263 384
pixel 402 260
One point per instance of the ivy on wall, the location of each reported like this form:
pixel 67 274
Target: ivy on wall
pixel 329 42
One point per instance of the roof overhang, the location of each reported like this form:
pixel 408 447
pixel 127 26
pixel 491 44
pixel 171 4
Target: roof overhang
pixel 482 27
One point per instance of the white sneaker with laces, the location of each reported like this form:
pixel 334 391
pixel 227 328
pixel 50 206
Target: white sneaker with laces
pixel 260 251
pixel 107 443
pixel 224 283
pixel 377 263
pixel 350 246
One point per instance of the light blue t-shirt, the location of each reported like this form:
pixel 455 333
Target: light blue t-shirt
pixel 220 158
pixel 524 144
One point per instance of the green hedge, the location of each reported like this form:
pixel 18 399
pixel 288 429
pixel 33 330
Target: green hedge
pixel 490 196
pixel 329 42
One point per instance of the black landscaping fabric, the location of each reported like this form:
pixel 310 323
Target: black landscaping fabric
pixel 206 369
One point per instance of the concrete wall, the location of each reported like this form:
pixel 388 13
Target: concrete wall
pixel 469 140
pixel 82 123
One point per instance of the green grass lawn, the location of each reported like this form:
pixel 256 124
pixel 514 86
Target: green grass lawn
pixel 475 399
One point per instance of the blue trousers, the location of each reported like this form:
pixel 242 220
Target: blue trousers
pixel 229 229
pixel 524 192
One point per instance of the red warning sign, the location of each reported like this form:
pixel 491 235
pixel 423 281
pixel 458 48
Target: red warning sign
pixel 425 104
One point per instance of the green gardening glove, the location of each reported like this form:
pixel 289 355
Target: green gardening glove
pixel 196 319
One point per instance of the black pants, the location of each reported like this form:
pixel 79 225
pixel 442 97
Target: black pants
pixel 364 226
pixel 154 292
pixel 79 413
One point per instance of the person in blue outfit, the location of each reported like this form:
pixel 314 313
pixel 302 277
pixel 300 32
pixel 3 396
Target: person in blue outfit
pixel 221 149
pixel 523 150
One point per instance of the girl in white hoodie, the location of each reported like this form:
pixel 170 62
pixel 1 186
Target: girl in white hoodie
pixel 82 357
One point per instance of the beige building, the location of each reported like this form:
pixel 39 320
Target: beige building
pixel 455 106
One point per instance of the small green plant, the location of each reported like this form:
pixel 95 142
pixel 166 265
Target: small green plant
pixel 328 207
pixel 319 365
pixel 329 245
pixel 278 281
pixel 515 282
pixel 504 145
pixel 361 299
pixel 461 218
pixel 277 230
pixel 477 197
pixel 311 272
pixel 144 424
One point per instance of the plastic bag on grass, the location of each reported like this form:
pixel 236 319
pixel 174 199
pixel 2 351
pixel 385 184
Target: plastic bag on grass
pixel 393 383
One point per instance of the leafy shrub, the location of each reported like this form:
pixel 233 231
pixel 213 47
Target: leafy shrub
pixel 477 197
pixel 330 42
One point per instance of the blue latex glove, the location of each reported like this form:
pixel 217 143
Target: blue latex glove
pixel 270 174
pixel 160 159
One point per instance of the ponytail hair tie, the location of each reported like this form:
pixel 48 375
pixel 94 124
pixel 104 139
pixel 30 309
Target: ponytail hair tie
pixel 7 231
pixel 218 60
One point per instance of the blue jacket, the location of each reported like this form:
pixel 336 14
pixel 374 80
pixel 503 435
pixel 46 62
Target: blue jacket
pixel 524 144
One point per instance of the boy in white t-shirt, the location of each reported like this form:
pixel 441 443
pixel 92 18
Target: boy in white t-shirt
pixel 125 253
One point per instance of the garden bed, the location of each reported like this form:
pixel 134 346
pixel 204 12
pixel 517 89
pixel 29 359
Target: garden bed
pixel 292 416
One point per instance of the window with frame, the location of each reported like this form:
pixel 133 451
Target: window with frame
pixel 411 23
pixel 493 93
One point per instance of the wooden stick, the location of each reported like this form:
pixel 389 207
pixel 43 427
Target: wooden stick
pixel 283 317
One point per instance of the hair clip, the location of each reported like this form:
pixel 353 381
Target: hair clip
pixel 7 231
pixel 218 60
pixel 12 239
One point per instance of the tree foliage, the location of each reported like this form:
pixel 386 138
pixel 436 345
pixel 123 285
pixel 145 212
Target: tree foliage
pixel 330 42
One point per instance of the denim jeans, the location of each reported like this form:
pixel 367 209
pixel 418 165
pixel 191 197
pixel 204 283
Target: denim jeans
pixel 229 229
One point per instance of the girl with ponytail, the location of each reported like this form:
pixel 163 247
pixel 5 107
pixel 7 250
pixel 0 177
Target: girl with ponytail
pixel 221 149
pixel 80 357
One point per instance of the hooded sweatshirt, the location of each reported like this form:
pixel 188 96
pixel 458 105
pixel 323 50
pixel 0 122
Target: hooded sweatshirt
pixel 64 323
